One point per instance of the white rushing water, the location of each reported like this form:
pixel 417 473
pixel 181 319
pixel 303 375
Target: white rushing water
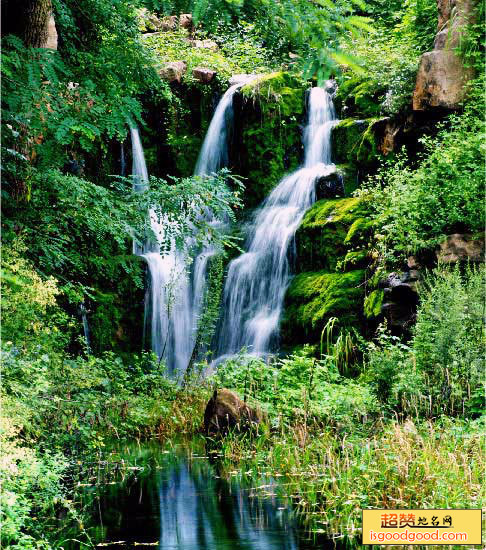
pixel 258 279
pixel 176 288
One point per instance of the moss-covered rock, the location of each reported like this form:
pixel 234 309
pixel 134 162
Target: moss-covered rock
pixel 327 232
pixel 356 143
pixel 269 113
pixel 332 257
pixel 373 303
pixel 312 298
pixel 278 91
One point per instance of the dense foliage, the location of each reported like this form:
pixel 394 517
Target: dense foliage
pixel 417 205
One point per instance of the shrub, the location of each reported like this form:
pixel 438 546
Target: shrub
pixel 299 388
pixel 416 207
pixel 449 340
pixel 441 371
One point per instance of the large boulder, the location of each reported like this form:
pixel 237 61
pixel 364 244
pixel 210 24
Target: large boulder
pixel 204 76
pixel 226 411
pixel 442 74
pixel 440 81
pixel 173 71
pixel 461 248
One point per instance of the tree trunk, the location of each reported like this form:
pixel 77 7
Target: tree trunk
pixel 37 19
pixel 28 19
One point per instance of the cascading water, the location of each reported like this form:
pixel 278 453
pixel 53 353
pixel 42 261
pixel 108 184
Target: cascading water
pixel 258 279
pixel 176 296
pixel 169 304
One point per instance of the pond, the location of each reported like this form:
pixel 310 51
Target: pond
pixel 175 497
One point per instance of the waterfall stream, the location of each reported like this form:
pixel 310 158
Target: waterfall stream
pixel 176 288
pixel 258 279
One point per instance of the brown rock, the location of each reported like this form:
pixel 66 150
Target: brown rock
pixel 185 20
pixel 173 71
pixel 444 7
pixel 168 23
pixel 203 75
pixel 225 411
pixel 460 248
pixel 389 140
pixel 440 81
pixel 442 75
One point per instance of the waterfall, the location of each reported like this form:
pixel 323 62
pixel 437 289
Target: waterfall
pixel 176 292
pixel 84 317
pixel 214 151
pixel 258 279
pixel 169 305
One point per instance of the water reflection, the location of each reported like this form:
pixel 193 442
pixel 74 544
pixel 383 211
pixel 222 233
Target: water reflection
pixel 175 500
pixel 199 512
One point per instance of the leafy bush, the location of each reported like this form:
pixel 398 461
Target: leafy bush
pixel 299 388
pixel 449 340
pixel 31 315
pixel 416 207
pixel 441 371
pixel 31 490
pixel 392 374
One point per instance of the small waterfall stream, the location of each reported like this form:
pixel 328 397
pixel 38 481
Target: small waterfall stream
pixel 176 291
pixel 258 279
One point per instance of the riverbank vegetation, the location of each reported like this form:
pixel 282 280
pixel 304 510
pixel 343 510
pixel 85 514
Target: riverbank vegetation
pixel 359 409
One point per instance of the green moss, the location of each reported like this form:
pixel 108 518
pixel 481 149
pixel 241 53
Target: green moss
pixel 359 230
pixel 314 297
pixel 279 91
pixel 353 260
pixel 354 142
pixel 270 129
pixel 373 303
pixel 324 235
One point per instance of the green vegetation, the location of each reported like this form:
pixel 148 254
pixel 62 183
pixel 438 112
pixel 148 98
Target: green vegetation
pixel 399 432
pixel 330 228
pixel 314 297
pixel 355 142
pixel 415 206
pixel 270 131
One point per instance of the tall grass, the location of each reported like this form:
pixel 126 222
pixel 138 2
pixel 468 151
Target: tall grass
pixel 401 465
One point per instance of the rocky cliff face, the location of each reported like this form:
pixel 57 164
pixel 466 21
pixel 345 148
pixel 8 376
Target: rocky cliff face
pixel 442 74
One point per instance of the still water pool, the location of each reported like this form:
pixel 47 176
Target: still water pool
pixel 175 497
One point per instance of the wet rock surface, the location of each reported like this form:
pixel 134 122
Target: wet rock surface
pixel 400 300
pixel 330 186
